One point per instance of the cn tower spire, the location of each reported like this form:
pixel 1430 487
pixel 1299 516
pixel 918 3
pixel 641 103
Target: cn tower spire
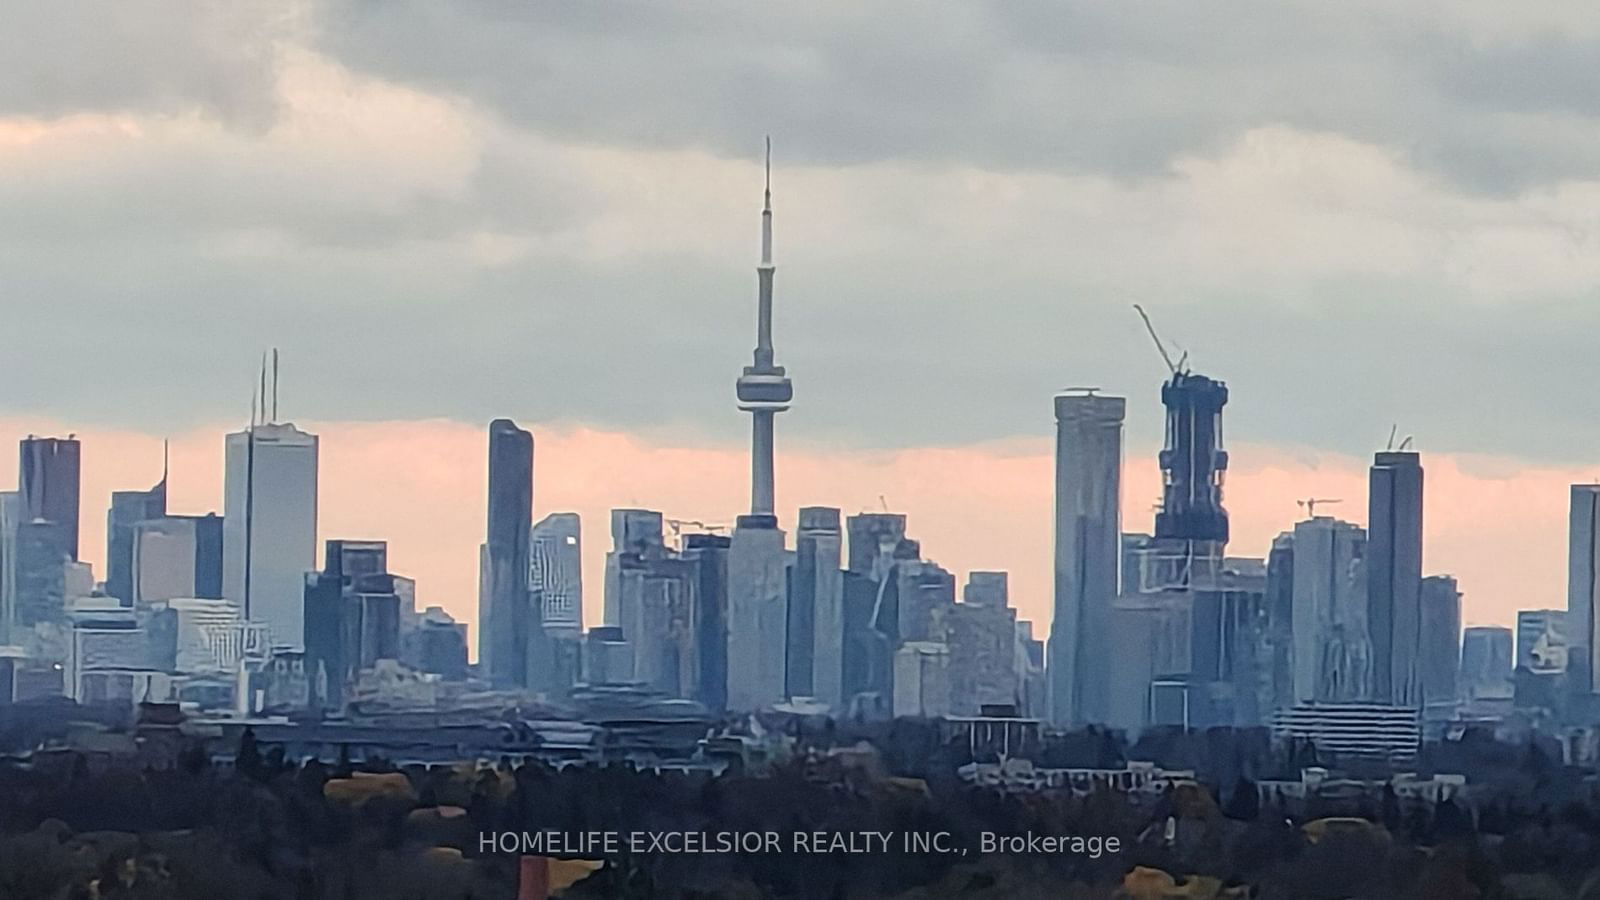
pixel 764 390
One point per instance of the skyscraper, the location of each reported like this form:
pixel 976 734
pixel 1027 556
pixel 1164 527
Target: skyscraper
pixel 270 526
pixel 556 570
pixel 1193 460
pixel 1088 535
pixel 707 559
pixel 352 613
pixel 816 609
pixel 129 508
pixel 1440 662
pixel 757 580
pixel 510 630
pixel 1583 586
pixel 1394 576
pixel 1332 656
pixel 48 482
pixel 1280 618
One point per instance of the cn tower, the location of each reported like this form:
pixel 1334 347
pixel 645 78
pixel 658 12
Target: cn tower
pixel 764 390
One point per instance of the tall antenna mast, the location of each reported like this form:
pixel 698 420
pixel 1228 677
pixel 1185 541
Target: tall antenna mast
pixel 274 384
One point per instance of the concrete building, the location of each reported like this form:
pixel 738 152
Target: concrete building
pixel 175 556
pixel 607 657
pixel 128 509
pixel 48 482
pixel 636 533
pixel 10 518
pixel 511 638
pixel 1486 663
pixel 269 531
pixel 1394 576
pixel 1332 655
pixel 1583 586
pixel 208 636
pixel 816 609
pixel 1441 647
pixel 981 634
pixel 658 603
pixel 1372 730
pixel 922 680
pixel 1230 668
pixel 1033 690
pixel 108 658
pixel 1542 641
pixel 1088 528
pixel 437 646
pixel 757 614
pixel 556 570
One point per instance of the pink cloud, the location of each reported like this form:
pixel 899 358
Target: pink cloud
pixel 1498 525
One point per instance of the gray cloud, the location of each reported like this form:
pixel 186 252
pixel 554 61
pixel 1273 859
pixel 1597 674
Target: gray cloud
pixel 1117 89
pixel 1348 213
pixel 164 56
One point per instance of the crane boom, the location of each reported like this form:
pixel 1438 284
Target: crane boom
pixel 1165 357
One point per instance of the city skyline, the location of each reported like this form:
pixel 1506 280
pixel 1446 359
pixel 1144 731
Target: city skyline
pixel 968 526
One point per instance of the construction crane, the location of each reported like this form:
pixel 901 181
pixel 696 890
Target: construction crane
pixel 1173 367
pixel 1310 504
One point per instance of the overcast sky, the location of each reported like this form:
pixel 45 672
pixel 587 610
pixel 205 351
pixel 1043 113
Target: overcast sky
pixel 1356 214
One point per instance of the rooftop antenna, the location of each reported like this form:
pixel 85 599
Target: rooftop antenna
pixel 274 384
pixel 1392 429
pixel 1404 444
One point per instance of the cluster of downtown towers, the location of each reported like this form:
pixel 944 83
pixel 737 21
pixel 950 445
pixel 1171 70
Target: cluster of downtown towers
pixel 1158 628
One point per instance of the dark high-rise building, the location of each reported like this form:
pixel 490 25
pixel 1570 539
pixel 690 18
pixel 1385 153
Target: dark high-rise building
pixel 128 509
pixel 1583 587
pixel 1440 661
pixel 352 615
pixel 1280 618
pixel 511 635
pixel 48 479
pixel 707 559
pixel 1193 460
pixel 870 534
pixel 1394 577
